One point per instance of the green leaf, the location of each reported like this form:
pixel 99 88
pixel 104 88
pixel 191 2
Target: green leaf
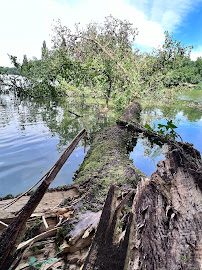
pixel 173 126
pixel 51 260
pixel 161 131
pixel 148 127
pixel 160 125
pixel 32 261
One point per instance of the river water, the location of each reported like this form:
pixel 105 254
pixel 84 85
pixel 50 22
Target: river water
pixel 33 135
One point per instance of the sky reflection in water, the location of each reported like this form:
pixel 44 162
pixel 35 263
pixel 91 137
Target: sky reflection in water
pixel 34 134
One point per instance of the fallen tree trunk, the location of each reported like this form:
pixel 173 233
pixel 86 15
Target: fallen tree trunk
pixel 107 161
pixel 163 229
pixel 166 213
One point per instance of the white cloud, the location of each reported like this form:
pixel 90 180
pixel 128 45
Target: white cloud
pixel 196 53
pixel 24 24
pixel 150 33
pixel 168 13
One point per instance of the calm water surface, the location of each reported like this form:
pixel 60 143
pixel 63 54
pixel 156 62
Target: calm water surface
pixel 33 135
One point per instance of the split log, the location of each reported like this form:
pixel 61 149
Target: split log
pixel 164 229
pixel 105 253
pixel 168 209
pixel 9 236
pixel 167 215
pixel 168 218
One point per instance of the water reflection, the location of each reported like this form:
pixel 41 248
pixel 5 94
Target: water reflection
pixel 189 123
pixel 33 133
pixel 194 94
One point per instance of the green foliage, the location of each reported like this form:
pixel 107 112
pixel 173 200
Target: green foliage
pixel 9 196
pixel 63 232
pixel 37 265
pixel 184 258
pixel 33 230
pixel 168 129
pixel 99 60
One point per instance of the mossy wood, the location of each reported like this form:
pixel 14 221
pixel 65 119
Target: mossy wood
pixel 107 161
pixel 163 229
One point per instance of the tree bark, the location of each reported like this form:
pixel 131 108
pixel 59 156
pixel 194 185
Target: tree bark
pixel 168 209
pixel 165 223
pixel 168 218
pixel 105 253
pixel 107 161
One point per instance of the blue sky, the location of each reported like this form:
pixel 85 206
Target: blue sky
pixel 24 24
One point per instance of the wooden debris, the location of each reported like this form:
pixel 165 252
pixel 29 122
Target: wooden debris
pixel 41 236
pixel 8 238
pixel 88 221
pixel 168 218
pixel 49 201
pixel 80 244
pixel 104 252
pixel 45 222
pixel 4 224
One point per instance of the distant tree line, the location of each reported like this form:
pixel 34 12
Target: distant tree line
pixel 100 61
pixel 9 70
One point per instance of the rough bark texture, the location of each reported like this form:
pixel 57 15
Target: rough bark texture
pixel 105 252
pixel 164 229
pixel 168 217
pixel 107 161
